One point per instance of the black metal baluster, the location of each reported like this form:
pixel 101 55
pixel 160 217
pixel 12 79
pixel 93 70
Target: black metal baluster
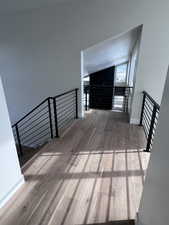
pixel 128 95
pixel 19 141
pixel 86 100
pixel 76 93
pixel 50 118
pixel 113 98
pixel 55 117
pixel 142 109
pixel 125 100
pixel 28 124
pixel 151 128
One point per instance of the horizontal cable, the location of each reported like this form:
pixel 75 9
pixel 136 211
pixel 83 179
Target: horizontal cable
pixel 45 100
pixel 20 125
pixel 66 109
pixel 61 117
pixel 65 93
pixel 147 122
pixel 64 124
pixel 65 96
pixel 27 140
pixel 32 126
pixel 148 105
pixel 32 132
pixel 31 111
pixel 29 144
pixel 147 115
pixel 145 131
pixel 151 99
pixel 148 110
pixel 147 127
pixel 33 120
pixel 65 119
pixel 65 101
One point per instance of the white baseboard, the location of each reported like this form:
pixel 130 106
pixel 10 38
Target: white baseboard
pixel 7 197
pixel 134 121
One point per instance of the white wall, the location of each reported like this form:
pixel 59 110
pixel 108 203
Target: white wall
pixel 134 57
pixel 155 202
pixel 132 78
pixel 40 49
pixel 10 173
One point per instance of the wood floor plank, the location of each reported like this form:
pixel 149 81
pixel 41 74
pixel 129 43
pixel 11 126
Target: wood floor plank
pixel 93 174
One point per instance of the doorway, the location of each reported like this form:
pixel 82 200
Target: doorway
pixel 120 98
pixel 117 53
pixel 101 89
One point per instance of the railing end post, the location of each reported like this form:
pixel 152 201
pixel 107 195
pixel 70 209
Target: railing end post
pixel 55 118
pixel 19 141
pixel 76 93
pixel 50 118
pixel 142 110
pixel 149 140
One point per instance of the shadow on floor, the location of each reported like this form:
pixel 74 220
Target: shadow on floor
pixel 121 222
pixel 88 175
pixel 28 153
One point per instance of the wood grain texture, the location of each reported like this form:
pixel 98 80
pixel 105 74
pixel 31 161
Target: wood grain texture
pixel 94 174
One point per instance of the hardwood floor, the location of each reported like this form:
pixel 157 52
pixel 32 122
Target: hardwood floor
pixel 92 175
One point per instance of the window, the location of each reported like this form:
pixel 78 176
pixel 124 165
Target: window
pixel 121 74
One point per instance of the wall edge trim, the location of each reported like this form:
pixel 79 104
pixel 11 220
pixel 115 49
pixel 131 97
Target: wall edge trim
pixel 12 191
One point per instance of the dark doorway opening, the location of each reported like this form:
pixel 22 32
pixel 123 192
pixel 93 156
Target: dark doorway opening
pixel 101 89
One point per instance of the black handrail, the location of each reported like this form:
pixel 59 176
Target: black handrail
pixel 67 92
pixel 46 124
pixel 31 111
pixel 149 118
pixel 151 99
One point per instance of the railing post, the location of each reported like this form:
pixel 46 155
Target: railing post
pixel 19 141
pixel 55 117
pixel 142 110
pixel 50 118
pixel 126 96
pixel 86 100
pixel 151 128
pixel 76 93
pixel 113 96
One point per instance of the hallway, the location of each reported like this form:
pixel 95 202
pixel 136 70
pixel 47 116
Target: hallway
pixel 93 174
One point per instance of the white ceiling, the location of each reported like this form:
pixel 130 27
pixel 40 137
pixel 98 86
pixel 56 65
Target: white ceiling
pixel 7 6
pixel 110 52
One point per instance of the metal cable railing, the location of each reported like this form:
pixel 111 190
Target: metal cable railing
pixel 149 118
pixel 119 96
pixel 46 120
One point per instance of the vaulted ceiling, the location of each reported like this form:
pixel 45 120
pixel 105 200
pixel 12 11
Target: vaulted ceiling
pixel 110 52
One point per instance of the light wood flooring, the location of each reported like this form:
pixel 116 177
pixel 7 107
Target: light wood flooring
pixel 92 175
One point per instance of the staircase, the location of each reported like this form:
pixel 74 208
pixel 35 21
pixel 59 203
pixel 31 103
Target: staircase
pixel 44 122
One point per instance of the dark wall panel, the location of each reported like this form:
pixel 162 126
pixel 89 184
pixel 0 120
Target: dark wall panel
pixel 101 89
